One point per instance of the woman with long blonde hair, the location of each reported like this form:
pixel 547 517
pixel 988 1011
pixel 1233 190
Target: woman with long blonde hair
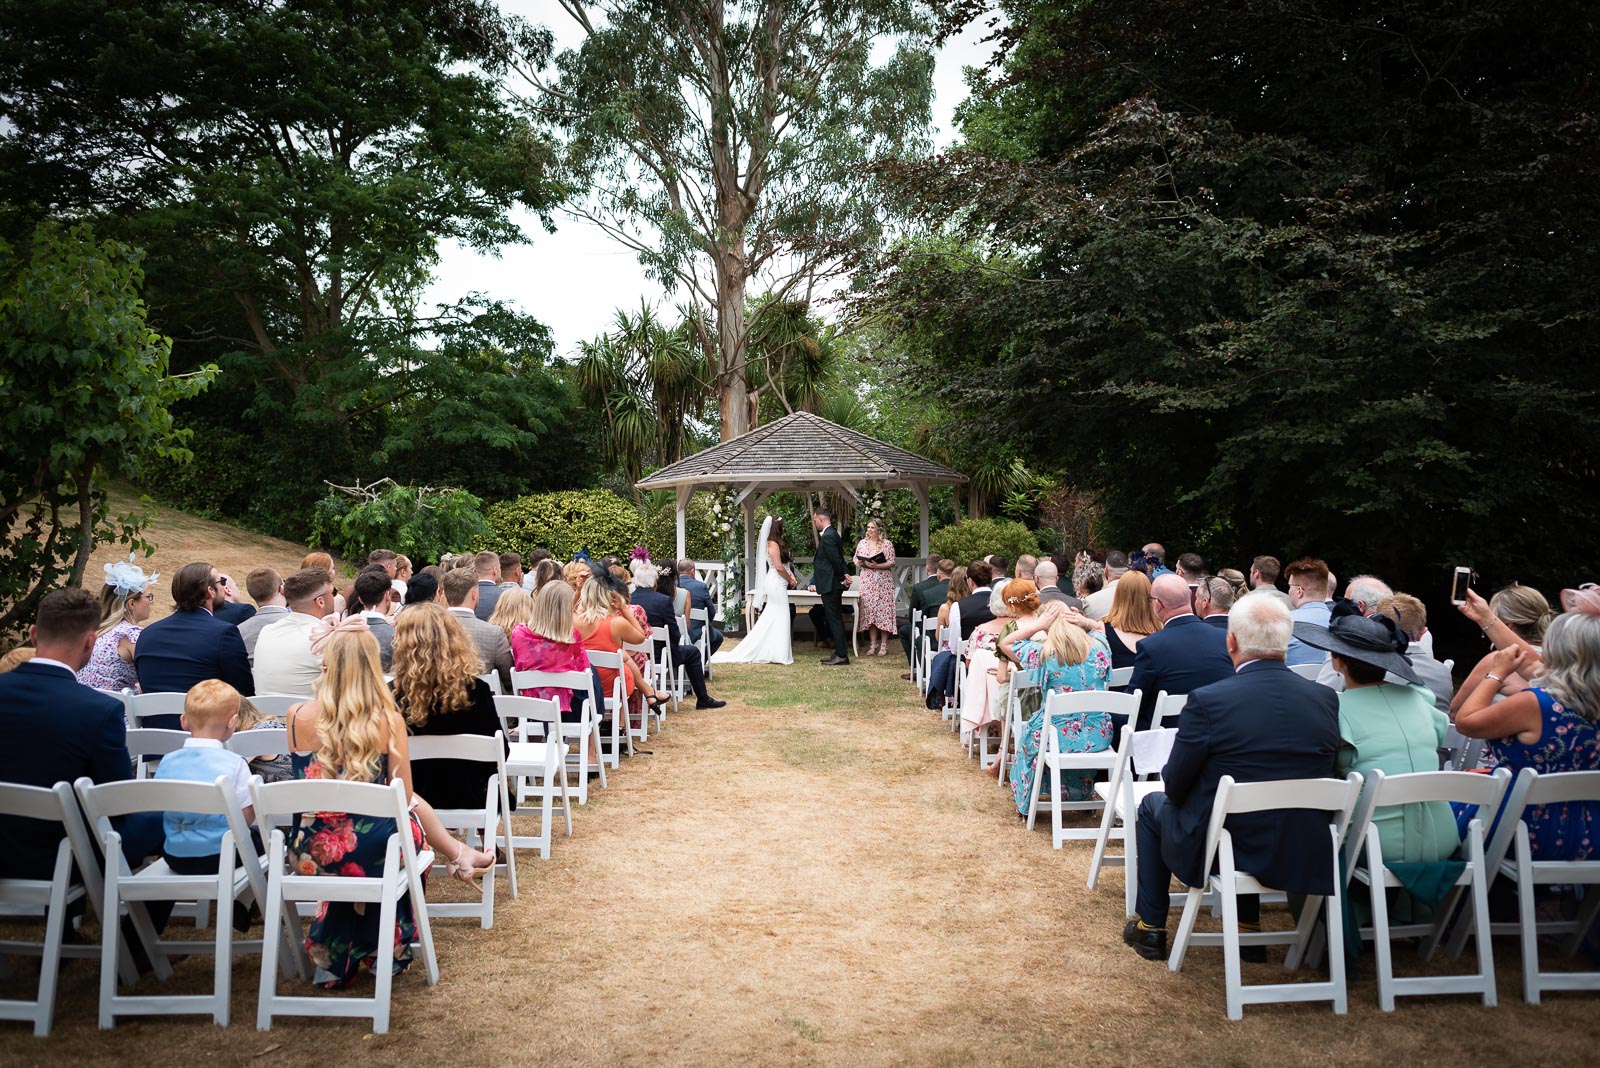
pixel 1071 660
pixel 437 689
pixel 513 609
pixel 603 623
pixel 351 730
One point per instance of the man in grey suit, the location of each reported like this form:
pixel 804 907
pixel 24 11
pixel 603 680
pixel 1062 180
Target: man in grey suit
pixel 461 597
pixel 265 587
pixel 370 595
pixel 486 565
pixel 1049 580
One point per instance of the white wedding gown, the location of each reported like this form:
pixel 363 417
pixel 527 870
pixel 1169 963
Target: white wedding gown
pixel 768 641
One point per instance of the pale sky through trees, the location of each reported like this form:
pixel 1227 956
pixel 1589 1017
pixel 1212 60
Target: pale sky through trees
pixel 575 279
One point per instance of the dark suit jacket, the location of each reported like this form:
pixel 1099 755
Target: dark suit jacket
pixel 658 610
pixel 236 612
pixel 699 597
pixel 488 596
pixel 1219 621
pixel 187 647
pixel 974 610
pixel 1261 724
pixel 1181 657
pixel 928 595
pixel 53 729
pixel 827 567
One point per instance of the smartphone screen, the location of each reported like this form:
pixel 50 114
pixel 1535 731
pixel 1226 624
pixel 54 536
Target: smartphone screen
pixel 1459 585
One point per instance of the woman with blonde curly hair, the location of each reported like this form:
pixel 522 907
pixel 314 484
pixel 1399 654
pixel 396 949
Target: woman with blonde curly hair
pixel 437 689
pixel 351 730
pixel 575 574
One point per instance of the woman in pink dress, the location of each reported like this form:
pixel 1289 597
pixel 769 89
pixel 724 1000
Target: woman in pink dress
pixel 549 641
pixel 875 610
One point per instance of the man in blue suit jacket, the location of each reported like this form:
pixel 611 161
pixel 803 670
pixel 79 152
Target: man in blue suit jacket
pixel 1182 656
pixel 699 597
pixel 1261 724
pixel 658 609
pixel 54 729
pixel 191 645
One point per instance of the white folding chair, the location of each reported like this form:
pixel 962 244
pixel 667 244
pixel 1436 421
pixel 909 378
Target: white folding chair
pixel 492 679
pixel 276 705
pixel 142 706
pixel 238 878
pixel 1334 796
pixel 1484 791
pixel 1141 753
pixel 929 639
pixel 537 765
pixel 121 695
pixel 1012 723
pixel 1120 677
pixel 1309 672
pixel 670 674
pixel 958 672
pixel 622 729
pixel 1168 707
pixel 703 643
pixel 1510 854
pixel 403 866
pixel 146 742
pixel 480 824
pixel 260 742
pixel 1051 759
pixel 589 756
pixel 50 900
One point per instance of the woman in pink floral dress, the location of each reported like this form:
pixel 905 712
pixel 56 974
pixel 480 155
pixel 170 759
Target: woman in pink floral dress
pixel 875 611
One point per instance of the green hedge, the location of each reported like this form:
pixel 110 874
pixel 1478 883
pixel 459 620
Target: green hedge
pixel 596 520
pixel 449 521
pixel 661 528
pixel 977 538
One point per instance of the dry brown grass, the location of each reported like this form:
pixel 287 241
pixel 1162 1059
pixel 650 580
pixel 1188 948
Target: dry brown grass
pixel 816 875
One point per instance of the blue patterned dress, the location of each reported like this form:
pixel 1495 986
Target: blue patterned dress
pixel 1076 732
pixel 1569 741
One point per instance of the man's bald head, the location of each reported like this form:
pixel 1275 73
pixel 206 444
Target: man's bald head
pixel 1172 596
pixel 1045 574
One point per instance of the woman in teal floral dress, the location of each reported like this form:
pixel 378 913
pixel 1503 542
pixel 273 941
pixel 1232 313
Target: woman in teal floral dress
pixel 1072 662
pixel 352 731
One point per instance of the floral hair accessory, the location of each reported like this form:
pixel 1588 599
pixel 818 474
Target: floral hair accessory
pixel 1585 599
pixel 639 553
pixel 128 578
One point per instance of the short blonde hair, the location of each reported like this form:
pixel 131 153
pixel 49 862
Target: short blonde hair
pixel 513 609
pixel 575 574
pixel 594 602
pixel 551 617
pixel 209 701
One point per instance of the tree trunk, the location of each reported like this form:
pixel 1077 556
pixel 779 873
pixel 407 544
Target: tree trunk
pixel 733 342
pixel 80 563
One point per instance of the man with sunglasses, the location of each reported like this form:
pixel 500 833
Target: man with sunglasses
pixel 191 645
pixel 284 661
pixel 229 608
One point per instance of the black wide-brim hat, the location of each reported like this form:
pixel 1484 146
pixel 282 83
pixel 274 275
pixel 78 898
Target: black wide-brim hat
pixel 1376 641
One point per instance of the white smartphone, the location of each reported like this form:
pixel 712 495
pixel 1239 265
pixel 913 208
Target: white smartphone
pixel 1459 584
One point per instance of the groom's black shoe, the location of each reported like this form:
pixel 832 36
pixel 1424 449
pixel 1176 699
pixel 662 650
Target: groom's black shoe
pixel 832 660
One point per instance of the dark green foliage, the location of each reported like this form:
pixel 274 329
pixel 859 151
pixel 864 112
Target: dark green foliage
pixel 86 391
pixel 418 522
pixel 1279 276
pixel 976 538
pixel 596 520
pixel 661 528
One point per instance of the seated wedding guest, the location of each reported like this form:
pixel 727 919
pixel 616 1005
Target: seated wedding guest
pixel 435 571
pixel 547 639
pixel 546 570
pixel 1516 616
pixel 658 609
pixel 1155 555
pixel 402 575
pixel 1235 580
pixel 284 660
pixel 422 589
pixel 437 689
pixel 1263 723
pixel 1387 723
pixel 1088 579
pixel 514 609
pixel 1191 568
pixel 1019 646
pixel 926 597
pixel 1264 572
pixel 387 559
pixel 980 692
pixel 1028 567
pixel 55 729
pixel 352 731
pixel 1072 660
pixel 1411 617
pixel 461 591
pixel 125 603
pixel 1309 589
pixel 667 586
pixel 1182 656
pixel 575 574
pixel 231 609
pixel 486 566
pixel 510 571
pixel 1049 589
pixel 699 598
pixel 941 671
pixel 190 645
pixel 265 587
pixel 1130 620
pixel 371 597
pixel 999 568
pixel 1551 725
pixel 272 767
pixel 324 561
pixel 975 607
pixel 530 569
pixel 603 621
pixel 1098 602
pixel 1213 597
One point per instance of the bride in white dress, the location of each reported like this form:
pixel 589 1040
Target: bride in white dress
pixel 768 641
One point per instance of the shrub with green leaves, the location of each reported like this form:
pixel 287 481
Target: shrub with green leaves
pixel 661 527
pixel 976 538
pixel 596 520
pixel 420 522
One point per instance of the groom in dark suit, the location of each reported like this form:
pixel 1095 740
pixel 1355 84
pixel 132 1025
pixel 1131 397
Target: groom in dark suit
pixel 828 579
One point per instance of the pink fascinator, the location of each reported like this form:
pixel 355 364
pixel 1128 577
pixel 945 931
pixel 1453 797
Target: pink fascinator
pixel 1585 599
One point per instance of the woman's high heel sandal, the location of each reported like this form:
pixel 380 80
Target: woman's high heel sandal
pixel 469 872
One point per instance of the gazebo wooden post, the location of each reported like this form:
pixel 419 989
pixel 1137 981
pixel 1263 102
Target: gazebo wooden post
pixel 921 490
pixel 683 522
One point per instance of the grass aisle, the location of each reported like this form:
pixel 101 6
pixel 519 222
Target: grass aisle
pixel 816 875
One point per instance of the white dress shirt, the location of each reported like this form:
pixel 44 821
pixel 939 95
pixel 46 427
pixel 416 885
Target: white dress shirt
pixel 284 661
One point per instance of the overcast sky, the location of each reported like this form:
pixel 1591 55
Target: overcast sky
pixel 573 280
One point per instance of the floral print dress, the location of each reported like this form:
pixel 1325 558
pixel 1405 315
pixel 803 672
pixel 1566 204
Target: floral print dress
pixel 1076 732
pixel 1569 741
pixel 344 936
pixel 106 669
pixel 876 607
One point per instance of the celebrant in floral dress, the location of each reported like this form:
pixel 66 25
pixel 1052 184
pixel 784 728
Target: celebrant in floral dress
pixel 875 610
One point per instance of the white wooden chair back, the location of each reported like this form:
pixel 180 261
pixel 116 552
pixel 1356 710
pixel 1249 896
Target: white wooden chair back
pixel 623 730
pixel 492 680
pixel 142 705
pixel 260 742
pixel 537 764
pixel 1168 707
pixel 702 643
pixel 1309 672
pixel 277 705
pixel 586 732
pixel 481 824
pixel 146 742
pixel 402 872
pixel 1053 761
pixel 1120 677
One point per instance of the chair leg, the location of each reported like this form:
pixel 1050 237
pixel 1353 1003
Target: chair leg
pixel 1180 944
pixel 383 965
pixel 1529 921
pixel 1232 977
pixel 1057 829
pixel 1380 940
pixel 54 933
pixel 273 929
pixel 110 934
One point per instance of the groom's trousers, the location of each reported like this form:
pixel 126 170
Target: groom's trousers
pixel 833 608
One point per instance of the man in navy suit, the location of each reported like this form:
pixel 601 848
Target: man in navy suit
pixel 1183 655
pixel 227 606
pixel 1212 599
pixel 54 729
pixel 1263 723
pixel 191 645
pixel 699 597
pixel 658 609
